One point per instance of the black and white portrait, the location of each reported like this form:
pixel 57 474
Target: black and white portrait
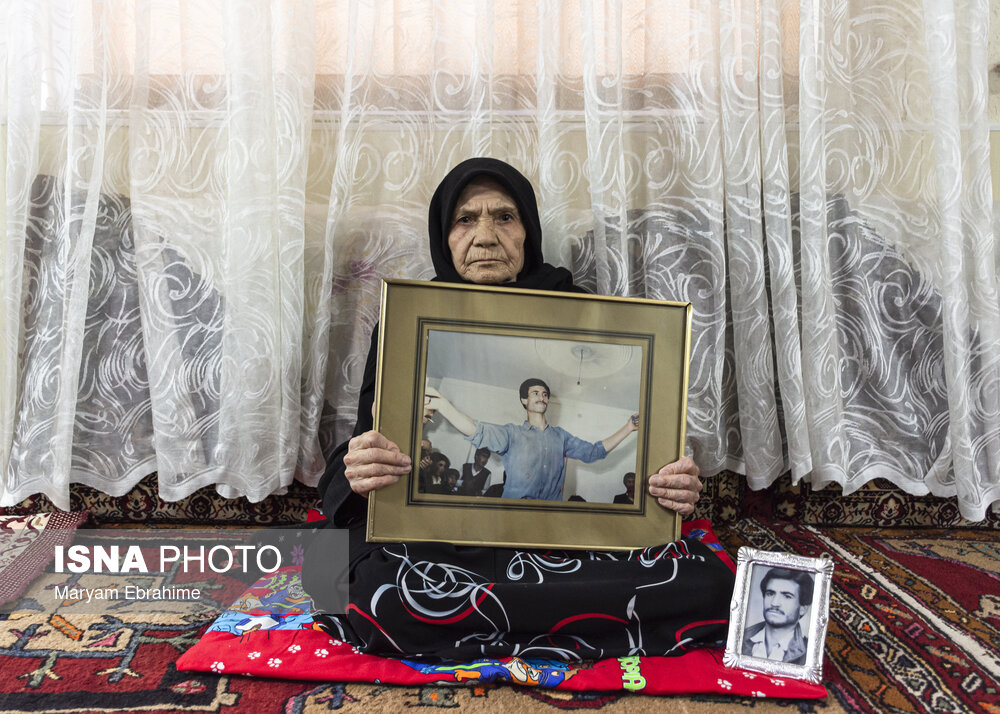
pixel 777 614
pixel 780 611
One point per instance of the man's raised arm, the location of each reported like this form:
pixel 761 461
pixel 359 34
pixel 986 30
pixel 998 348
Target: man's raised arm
pixel 619 436
pixel 458 419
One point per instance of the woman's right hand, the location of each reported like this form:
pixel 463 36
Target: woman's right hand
pixel 372 462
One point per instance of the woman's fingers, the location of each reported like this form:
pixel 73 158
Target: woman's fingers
pixel 364 486
pixel 677 486
pixel 683 508
pixel 373 462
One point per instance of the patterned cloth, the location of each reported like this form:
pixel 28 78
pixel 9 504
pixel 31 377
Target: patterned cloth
pixel 27 545
pixel 467 603
pixel 270 631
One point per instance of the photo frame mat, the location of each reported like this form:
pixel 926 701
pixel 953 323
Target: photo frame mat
pixel 411 308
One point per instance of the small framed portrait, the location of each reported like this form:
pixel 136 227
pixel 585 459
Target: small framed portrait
pixel 780 611
pixel 533 419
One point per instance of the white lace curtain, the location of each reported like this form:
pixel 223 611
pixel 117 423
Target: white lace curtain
pixel 199 199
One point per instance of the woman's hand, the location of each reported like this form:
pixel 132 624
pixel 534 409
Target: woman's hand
pixel 676 486
pixel 372 462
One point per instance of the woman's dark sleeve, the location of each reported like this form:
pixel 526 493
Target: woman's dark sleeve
pixel 340 504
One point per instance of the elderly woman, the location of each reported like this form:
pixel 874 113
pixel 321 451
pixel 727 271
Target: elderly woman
pixel 467 602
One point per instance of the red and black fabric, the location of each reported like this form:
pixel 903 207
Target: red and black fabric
pixel 461 602
pixel 272 631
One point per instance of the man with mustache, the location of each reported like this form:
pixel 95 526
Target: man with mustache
pixel 533 453
pixel 787 595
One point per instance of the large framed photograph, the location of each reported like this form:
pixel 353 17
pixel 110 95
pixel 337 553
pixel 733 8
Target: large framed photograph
pixel 533 418
pixel 780 611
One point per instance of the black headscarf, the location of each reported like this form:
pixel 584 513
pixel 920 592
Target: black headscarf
pixel 536 273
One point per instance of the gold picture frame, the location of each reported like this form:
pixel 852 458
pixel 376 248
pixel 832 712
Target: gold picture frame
pixel 601 357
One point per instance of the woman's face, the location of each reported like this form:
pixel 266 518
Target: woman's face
pixel 486 236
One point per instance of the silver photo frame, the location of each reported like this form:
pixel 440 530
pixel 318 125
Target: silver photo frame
pixel 780 611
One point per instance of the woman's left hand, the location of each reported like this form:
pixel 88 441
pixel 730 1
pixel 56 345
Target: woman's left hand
pixel 676 486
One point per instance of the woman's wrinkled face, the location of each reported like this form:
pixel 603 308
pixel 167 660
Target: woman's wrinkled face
pixel 486 237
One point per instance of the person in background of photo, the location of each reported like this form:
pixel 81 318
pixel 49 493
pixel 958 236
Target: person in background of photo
pixel 475 475
pixel 534 452
pixel 450 481
pixel 433 479
pixel 496 490
pixel 629 495
pixel 787 595
pixel 425 457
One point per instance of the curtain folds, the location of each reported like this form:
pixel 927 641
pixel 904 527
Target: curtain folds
pixel 200 198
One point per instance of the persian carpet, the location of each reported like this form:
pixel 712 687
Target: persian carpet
pixel 914 613
pixel 27 543
pixel 914 627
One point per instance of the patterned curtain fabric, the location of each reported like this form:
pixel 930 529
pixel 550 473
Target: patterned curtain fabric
pixel 200 198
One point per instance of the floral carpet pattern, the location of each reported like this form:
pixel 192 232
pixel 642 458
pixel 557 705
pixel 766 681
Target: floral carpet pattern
pixel 26 547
